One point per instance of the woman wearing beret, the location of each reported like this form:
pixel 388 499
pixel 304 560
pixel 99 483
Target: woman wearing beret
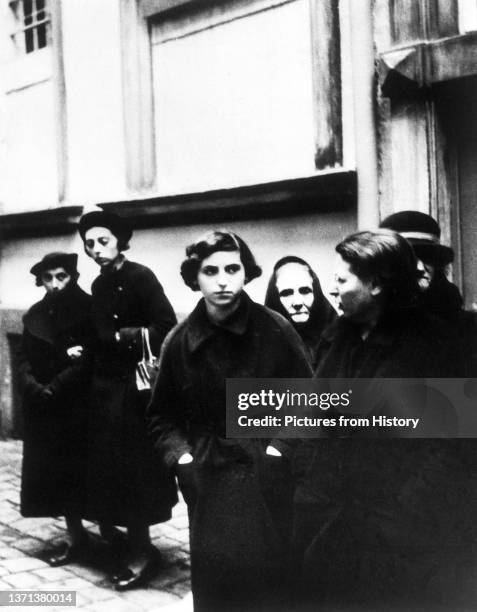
pixel 126 484
pixel 54 385
pixel 233 487
pixel 295 292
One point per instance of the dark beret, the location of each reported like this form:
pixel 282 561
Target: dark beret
pixel 98 218
pixel 68 261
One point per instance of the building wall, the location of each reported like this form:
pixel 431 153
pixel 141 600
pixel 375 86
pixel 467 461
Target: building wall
pixel 296 102
pixel 28 173
pixel 92 72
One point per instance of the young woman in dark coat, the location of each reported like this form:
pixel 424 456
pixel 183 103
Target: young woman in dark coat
pixel 54 384
pixel 383 522
pixel 127 486
pixel 295 292
pixel 232 487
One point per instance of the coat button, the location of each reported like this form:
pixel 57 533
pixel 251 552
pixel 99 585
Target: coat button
pixel 120 288
pixel 115 316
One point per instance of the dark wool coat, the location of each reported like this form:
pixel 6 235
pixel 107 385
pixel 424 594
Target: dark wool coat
pixel 444 301
pixel 54 430
pixel 125 481
pixel 236 494
pixel 385 522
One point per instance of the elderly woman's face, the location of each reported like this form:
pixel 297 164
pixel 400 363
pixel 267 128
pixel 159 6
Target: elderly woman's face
pixel 55 280
pixel 101 245
pixel 355 298
pixel 295 290
pixel 221 278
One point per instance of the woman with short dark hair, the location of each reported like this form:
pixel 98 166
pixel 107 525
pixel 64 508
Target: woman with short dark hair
pixel 126 484
pixel 232 487
pixel 375 514
pixel 295 292
pixel 54 385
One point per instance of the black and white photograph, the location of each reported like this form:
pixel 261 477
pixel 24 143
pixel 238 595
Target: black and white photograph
pixel 199 192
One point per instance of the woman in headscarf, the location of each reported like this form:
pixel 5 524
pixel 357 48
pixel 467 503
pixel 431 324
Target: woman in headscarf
pixel 295 292
pixel 126 484
pixel 383 522
pixel 54 383
pixel 231 486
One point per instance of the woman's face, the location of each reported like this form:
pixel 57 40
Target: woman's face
pixel 426 273
pixel 355 298
pixel 295 290
pixel 55 280
pixel 101 245
pixel 221 278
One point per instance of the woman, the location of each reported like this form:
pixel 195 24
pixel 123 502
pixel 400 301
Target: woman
pixel 126 485
pixel 231 487
pixel 54 384
pixel 382 522
pixel 295 292
pixel 437 295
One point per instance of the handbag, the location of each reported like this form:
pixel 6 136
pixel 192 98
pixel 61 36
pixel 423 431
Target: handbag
pixel 146 369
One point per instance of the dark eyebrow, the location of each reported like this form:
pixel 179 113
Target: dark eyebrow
pixel 210 268
pixel 285 292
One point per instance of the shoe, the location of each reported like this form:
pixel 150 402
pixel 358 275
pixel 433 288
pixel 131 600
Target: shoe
pixel 132 577
pixel 68 553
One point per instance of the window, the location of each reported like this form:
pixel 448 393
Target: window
pixel 467 15
pixel 233 95
pixel 32 29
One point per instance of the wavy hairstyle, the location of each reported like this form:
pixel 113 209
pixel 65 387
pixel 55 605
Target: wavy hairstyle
pixel 213 241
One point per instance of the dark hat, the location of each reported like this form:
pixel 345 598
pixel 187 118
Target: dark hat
pixel 423 232
pixel 68 261
pixel 99 218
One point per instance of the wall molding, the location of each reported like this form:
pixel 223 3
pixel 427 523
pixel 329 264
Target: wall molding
pixel 327 192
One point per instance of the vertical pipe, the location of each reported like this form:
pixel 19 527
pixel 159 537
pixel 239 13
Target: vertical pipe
pixel 59 100
pixel 361 17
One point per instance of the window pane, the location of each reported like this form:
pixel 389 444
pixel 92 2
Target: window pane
pixel 41 33
pixel 27 7
pixel 467 15
pixel 29 41
pixel 233 103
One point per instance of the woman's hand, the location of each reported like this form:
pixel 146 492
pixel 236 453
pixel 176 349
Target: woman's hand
pixel 74 352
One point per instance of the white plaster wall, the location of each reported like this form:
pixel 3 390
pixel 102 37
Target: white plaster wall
pixel 234 102
pixel 312 237
pixel 92 63
pixel 17 285
pixel 30 171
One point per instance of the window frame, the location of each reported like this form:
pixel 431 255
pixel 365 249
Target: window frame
pixel 138 98
pixel 17 7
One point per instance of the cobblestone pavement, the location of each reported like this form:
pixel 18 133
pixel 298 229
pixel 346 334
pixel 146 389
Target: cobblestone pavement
pixel 24 542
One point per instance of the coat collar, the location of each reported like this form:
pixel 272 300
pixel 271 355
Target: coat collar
pixel 47 318
pixel 201 328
